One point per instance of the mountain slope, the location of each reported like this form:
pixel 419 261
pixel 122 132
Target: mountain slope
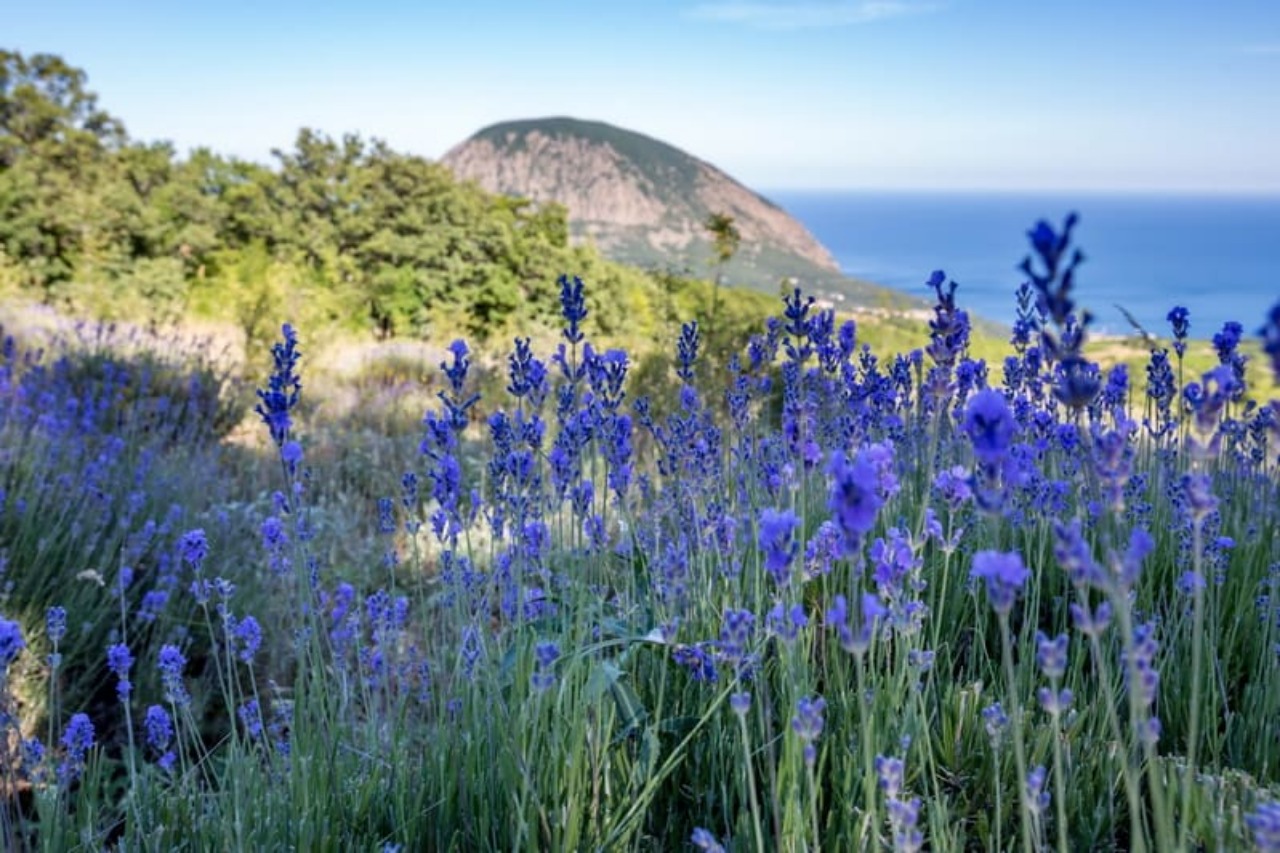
pixel 642 201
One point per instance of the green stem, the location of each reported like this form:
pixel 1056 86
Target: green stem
pixel 751 783
pixel 1019 747
pixel 1197 664
pixel 1059 777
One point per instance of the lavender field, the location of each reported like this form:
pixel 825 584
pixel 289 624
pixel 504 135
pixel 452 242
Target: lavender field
pixel 826 599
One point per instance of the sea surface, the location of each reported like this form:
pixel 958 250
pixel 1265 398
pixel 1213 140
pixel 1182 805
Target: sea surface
pixel 1217 255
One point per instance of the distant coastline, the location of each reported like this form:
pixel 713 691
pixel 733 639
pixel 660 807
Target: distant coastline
pixel 1145 251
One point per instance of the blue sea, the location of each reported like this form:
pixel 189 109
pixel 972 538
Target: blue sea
pixel 1217 255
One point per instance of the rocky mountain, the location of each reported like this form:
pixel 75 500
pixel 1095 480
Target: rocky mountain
pixel 642 201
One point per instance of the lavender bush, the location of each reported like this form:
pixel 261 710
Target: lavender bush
pixel 833 600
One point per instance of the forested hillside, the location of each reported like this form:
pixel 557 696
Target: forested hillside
pixel 344 232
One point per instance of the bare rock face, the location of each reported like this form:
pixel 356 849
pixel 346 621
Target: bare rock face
pixel 639 200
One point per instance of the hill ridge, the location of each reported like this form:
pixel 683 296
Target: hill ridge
pixel 641 200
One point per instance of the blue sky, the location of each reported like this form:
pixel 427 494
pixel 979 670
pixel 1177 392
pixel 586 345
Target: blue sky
pixel 952 94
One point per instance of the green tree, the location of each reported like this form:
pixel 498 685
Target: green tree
pixel 725 239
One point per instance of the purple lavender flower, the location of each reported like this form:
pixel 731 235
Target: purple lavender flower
pixel 698 661
pixel 1226 341
pixel 1075 555
pixel 1270 333
pixel 854 501
pixel 194 548
pixel 528 375
pixel 250 715
pixel 822 550
pixel 687 351
pixel 1198 492
pixel 55 621
pixel 891 772
pixel 291 453
pixel 78 738
pixel 33 753
pixel 995 721
pixel 281 395
pixel 1091 624
pixel 1037 794
pixel 1051 655
pixel 949 327
pixel 545 655
pixel 705 841
pixel 952 485
pixel 456 370
pixel 990 425
pixel 808 723
pixel 573 307
pixel 1180 320
pixel 740 702
pixel 1264 823
pixel 170 665
pixel 248 635
pixel 274 536
pixel 11 642
pixel 1004 573
pixel 119 661
pixel 736 631
pixel 471 650
pixel 777 541
pixel 1055 702
pixel 153 603
pixel 1142 677
pixel 158 728
pixel 786 623
pixel 855 642
pixel 904 819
